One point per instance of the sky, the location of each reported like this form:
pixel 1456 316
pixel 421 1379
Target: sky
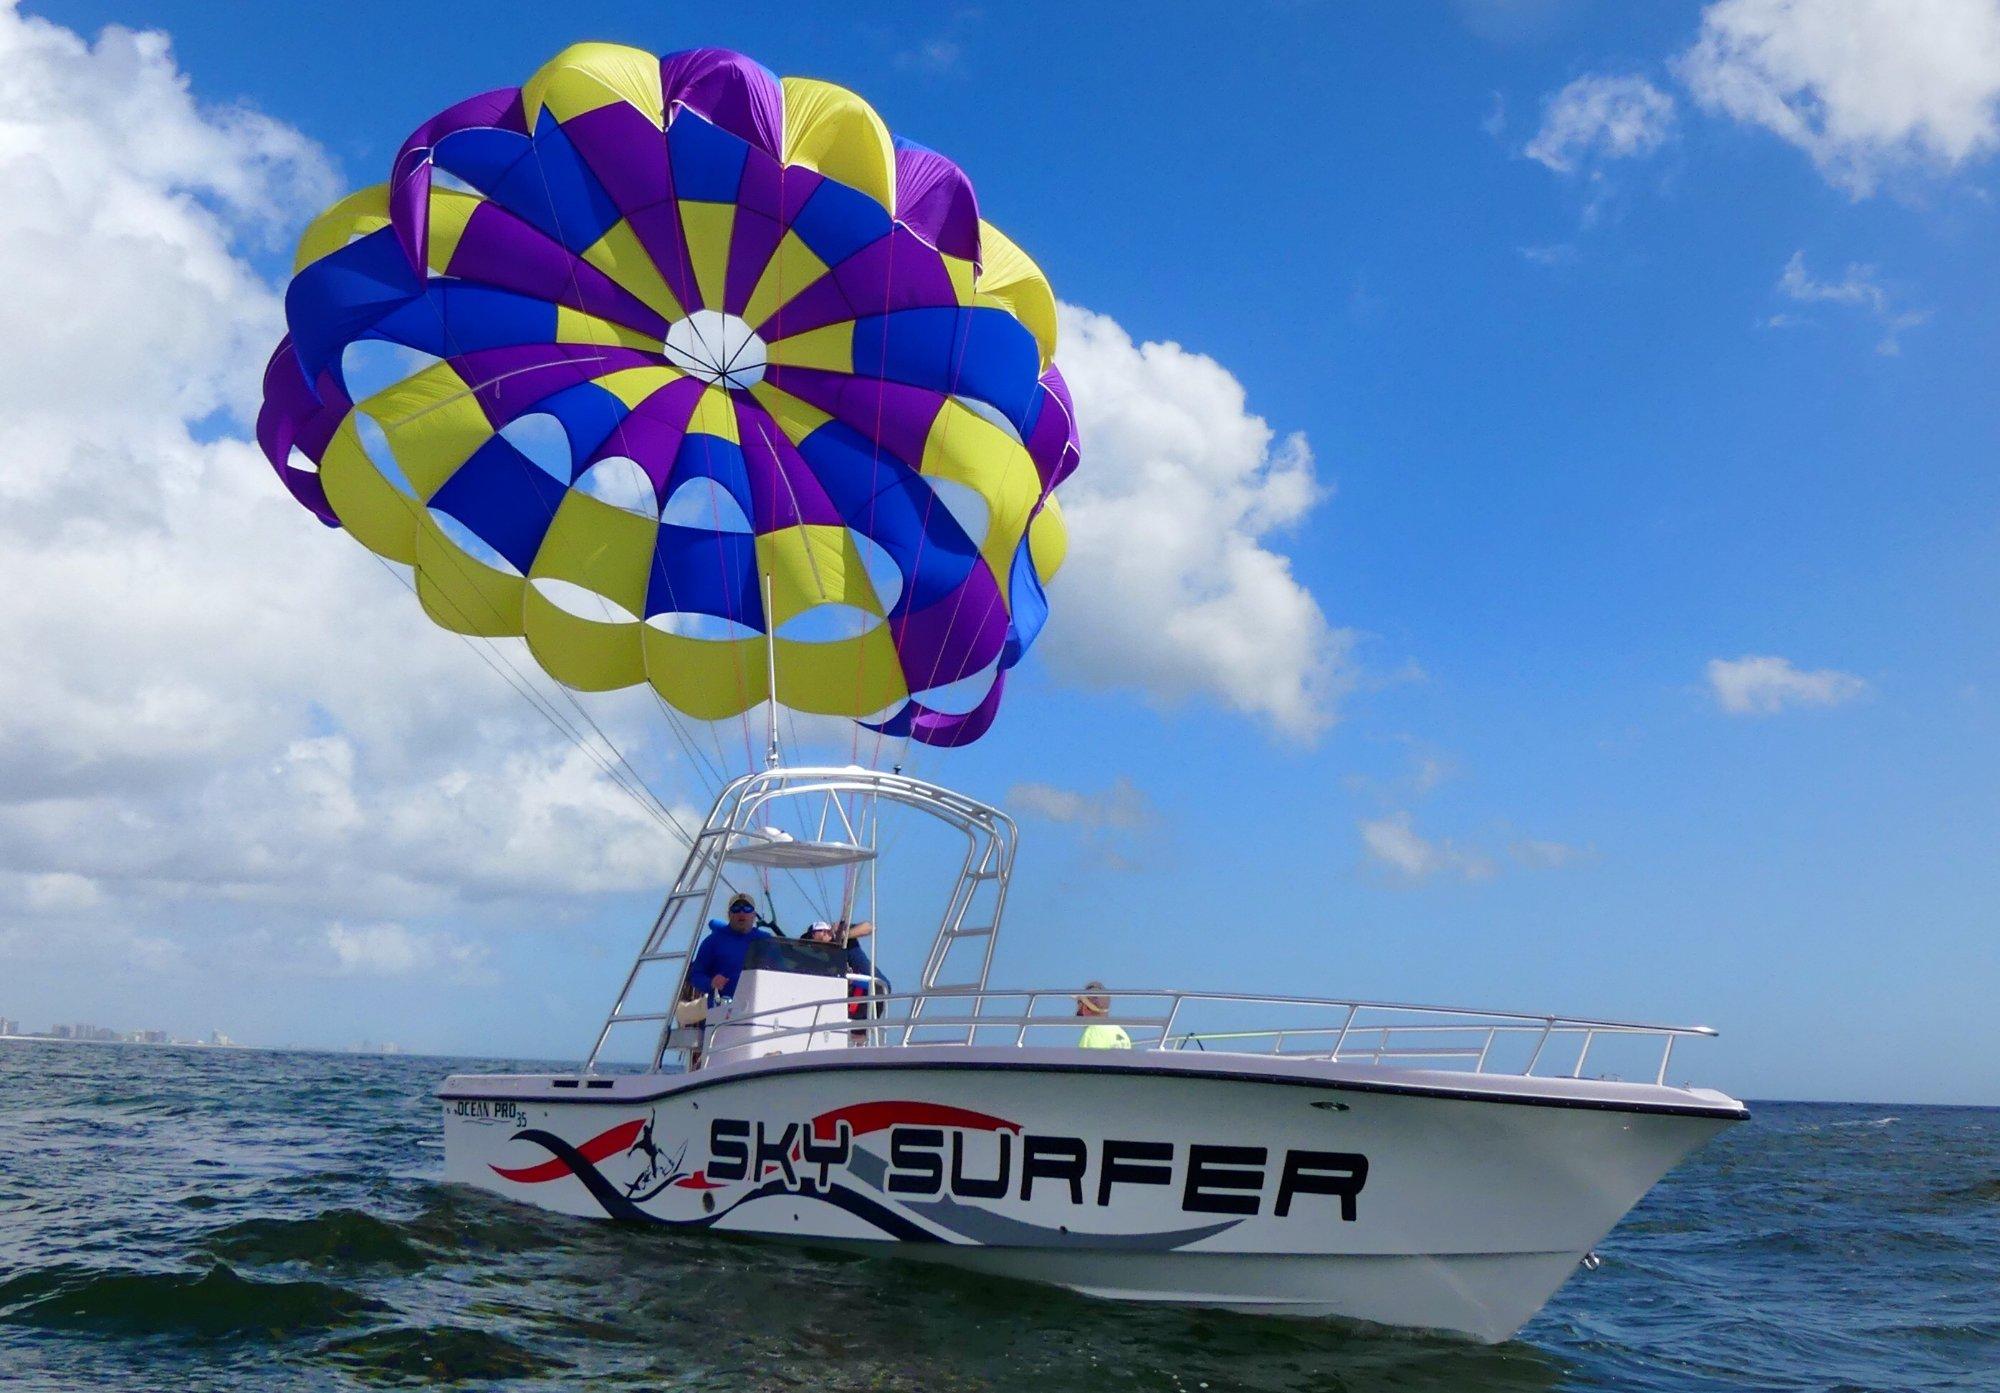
pixel 1535 545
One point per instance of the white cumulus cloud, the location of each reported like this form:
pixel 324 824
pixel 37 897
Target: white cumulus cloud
pixel 1539 854
pixel 1858 289
pixel 209 698
pixel 392 950
pixel 61 890
pixel 1756 685
pixel 1866 88
pixel 1175 585
pixel 1114 828
pixel 1393 843
pixel 1600 117
pixel 1122 805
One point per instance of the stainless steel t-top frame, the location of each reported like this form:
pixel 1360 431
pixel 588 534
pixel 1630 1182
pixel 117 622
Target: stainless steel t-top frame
pixel 737 831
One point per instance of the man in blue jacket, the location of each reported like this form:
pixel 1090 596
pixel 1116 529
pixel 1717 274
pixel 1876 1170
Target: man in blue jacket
pixel 719 961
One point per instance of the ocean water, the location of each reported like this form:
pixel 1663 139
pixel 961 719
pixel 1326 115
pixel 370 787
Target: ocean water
pixel 209 1219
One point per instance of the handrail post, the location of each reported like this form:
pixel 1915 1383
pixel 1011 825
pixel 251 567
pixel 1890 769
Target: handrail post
pixel 1548 1029
pixel 1341 1039
pixel 1485 1050
pixel 1173 1011
pixel 1665 1055
pixel 1589 1038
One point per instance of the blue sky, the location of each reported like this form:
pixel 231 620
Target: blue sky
pixel 1577 435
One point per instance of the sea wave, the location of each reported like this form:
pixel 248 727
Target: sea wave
pixel 336 1238
pixel 215 1303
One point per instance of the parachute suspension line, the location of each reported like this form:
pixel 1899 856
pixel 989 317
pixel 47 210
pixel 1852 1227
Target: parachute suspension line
pixel 711 774
pixel 715 513
pixel 576 289
pixel 715 739
pixel 643 796
pixel 771 677
pixel 874 903
pixel 874 493
pixel 643 792
pixel 631 780
pixel 915 752
pixel 491 654
pixel 604 607
pixel 962 339
pixel 685 742
pixel 784 296
pixel 710 770
pixel 856 819
pixel 772 753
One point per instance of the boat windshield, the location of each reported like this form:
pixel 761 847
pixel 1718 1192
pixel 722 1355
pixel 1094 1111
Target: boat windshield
pixel 797 955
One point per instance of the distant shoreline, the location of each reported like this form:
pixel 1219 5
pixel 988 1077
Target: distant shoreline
pixel 291 1049
pixel 138 1044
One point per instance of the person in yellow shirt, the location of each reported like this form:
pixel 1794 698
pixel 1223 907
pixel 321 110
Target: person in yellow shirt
pixel 1100 1035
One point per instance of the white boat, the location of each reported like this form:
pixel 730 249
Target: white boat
pixel 1404 1165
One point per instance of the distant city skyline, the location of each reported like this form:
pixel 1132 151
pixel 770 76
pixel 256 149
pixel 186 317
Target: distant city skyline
pixel 89 1033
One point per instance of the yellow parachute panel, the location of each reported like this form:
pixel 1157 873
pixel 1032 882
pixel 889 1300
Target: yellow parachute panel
pixel 707 678
pixel 852 677
pixel 791 269
pixel 621 256
pixel 633 385
pixel 1009 279
pixel 813 565
pixel 374 511
pixel 584 77
pixel 582 653
pixel 1048 540
pixel 830 348
pixel 462 593
pixel 360 213
pixel 707 227
pixel 832 130
pixel 968 449
pixel 574 326
pixel 797 419
pixel 433 422
pixel 450 214
pixel 603 548
pixel 809 567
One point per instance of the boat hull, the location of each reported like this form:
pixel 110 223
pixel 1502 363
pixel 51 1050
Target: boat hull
pixel 1284 1187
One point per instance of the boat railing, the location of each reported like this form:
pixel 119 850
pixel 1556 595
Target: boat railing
pixel 1374 1032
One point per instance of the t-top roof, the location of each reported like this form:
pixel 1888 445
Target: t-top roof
pixel 779 850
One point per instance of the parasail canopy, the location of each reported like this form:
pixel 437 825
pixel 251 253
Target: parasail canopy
pixel 683 356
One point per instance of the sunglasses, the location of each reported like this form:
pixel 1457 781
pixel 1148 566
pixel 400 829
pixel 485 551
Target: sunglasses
pixel 743 909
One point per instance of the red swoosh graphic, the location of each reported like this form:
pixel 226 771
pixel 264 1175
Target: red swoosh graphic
pixel 596 1149
pixel 873 1117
